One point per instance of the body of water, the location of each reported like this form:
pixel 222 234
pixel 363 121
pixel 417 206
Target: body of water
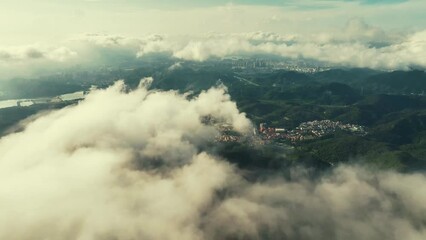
pixel 29 102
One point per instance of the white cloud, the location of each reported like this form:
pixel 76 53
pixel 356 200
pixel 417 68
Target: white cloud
pixel 356 44
pixel 175 66
pixel 205 49
pixel 36 52
pixel 359 45
pixel 358 29
pixel 128 165
pixel 349 204
pixel 90 173
pixel 92 50
pixel 352 48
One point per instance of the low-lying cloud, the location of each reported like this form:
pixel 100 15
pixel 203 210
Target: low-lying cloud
pixel 129 165
pixel 25 53
pixel 88 52
pixel 356 44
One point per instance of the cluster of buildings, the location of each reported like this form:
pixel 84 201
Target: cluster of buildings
pixel 308 130
pixel 227 138
pixel 227 133
pixel 305 131
pixel 289 65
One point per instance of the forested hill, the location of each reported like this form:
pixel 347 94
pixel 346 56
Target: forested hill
pixel 391 105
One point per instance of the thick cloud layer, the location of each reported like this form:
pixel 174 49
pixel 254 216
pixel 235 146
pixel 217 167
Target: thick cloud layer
pixel 128 165
pixel 349 204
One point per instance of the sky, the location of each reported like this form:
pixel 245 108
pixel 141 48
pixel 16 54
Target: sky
pixel 26 21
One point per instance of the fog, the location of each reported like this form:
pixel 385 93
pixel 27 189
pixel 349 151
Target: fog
pixel 128 164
